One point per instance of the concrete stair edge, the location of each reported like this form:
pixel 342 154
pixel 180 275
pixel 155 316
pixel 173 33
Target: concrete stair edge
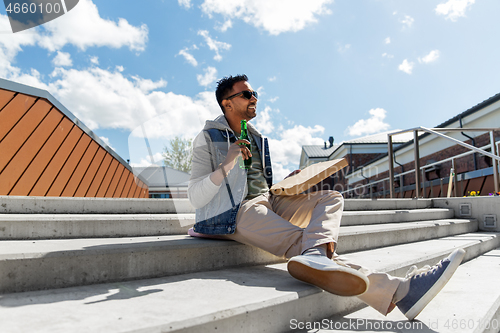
pixel 274 316
pixel 322 303
pixel 70 262
pixel 480 312
pixel 54 226
pixel 395 216
pixel 45 205
pixel 381 204
pixel 69 205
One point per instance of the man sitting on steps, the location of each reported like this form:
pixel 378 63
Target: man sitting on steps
pixel 236 204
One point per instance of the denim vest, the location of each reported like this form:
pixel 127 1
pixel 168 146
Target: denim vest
pixel 218 217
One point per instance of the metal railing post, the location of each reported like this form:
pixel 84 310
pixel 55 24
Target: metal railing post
pixel 454 179
pixel 401 185
pixel 423 184
pixel 391 166
pixel 461 184
pixel 493 161
pixel 451 177
pixel 417 163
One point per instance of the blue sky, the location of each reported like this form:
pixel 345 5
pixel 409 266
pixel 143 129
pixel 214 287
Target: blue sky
pixel 322 67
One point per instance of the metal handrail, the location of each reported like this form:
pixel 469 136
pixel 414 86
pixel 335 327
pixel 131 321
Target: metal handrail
pixel 494 149
pixel 435 131
pixel 421 168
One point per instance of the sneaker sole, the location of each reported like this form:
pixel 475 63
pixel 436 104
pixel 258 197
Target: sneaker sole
pixel 337 282
pixel 455 260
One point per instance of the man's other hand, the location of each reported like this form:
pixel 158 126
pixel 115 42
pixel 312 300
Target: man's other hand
pixel 293 173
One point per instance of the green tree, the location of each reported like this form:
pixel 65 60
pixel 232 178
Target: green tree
pixel 179 155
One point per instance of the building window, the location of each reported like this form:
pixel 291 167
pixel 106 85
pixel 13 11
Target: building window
pixel 160 195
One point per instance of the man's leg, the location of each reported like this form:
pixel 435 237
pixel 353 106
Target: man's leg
pixel 412 293
pixel 282 225
pixel 289 226
pixel 381 290
pixel 258 225
pixel 318 214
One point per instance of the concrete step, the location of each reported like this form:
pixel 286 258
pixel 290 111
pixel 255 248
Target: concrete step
pixel 56 205
pixel 245 299
pixel 44 205
pixel 365 237
pixel 394 216
pixel 469 303
pixel 41 264
pixel 51 226
pixel 390 204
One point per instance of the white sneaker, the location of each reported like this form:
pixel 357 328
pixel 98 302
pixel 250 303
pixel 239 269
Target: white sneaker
pixel 328 275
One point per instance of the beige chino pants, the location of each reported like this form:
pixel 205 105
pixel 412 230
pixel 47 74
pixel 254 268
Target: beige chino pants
pixel 288 225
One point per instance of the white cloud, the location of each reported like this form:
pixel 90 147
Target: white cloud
pixel 387 40
pixel 104 99
pixel 272 79
pixel 286 150
pixel 177 115
pixel 94 60
pixel 344 48
pixel 214 45
pixel 84 27
pixel 406 66
pixel 62 59
pixel 276 16
pixel 387 55
pixel 208 78
pixel 407 21
pixel 453 9
pixel 274 99
pixel 261 91
pixel 263 121
pixel 146 161
pixel 372 125
pixel 106 141
pixel 280 171
pixel 431 57
pixel 223 27
pixel 11 44
pixel 185 3
pixel 188 56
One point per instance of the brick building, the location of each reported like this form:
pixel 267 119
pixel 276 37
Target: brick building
pixel 368 159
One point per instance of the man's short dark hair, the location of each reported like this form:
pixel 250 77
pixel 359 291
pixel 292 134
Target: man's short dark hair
pixel 225 85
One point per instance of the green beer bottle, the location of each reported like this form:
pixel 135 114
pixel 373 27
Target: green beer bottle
pixel 245 164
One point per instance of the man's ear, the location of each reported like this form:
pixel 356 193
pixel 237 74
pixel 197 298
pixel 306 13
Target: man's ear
pixel 227 105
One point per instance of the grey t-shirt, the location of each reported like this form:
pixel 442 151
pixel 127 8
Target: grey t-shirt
pixel 256 181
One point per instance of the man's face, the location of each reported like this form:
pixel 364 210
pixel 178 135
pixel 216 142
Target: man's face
pixel 242 107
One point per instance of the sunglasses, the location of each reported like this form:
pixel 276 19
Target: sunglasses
pixel 246 94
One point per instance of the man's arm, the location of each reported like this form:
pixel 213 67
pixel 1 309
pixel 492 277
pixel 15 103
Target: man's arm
pixel 201 189
pixel 204 183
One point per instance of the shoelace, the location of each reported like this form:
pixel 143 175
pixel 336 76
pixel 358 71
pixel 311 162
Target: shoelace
pixel 414 271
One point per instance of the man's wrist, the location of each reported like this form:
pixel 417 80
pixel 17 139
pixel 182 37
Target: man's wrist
pixel 223 170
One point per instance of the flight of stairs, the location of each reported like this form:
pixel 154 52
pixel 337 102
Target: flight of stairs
pixel 126 265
